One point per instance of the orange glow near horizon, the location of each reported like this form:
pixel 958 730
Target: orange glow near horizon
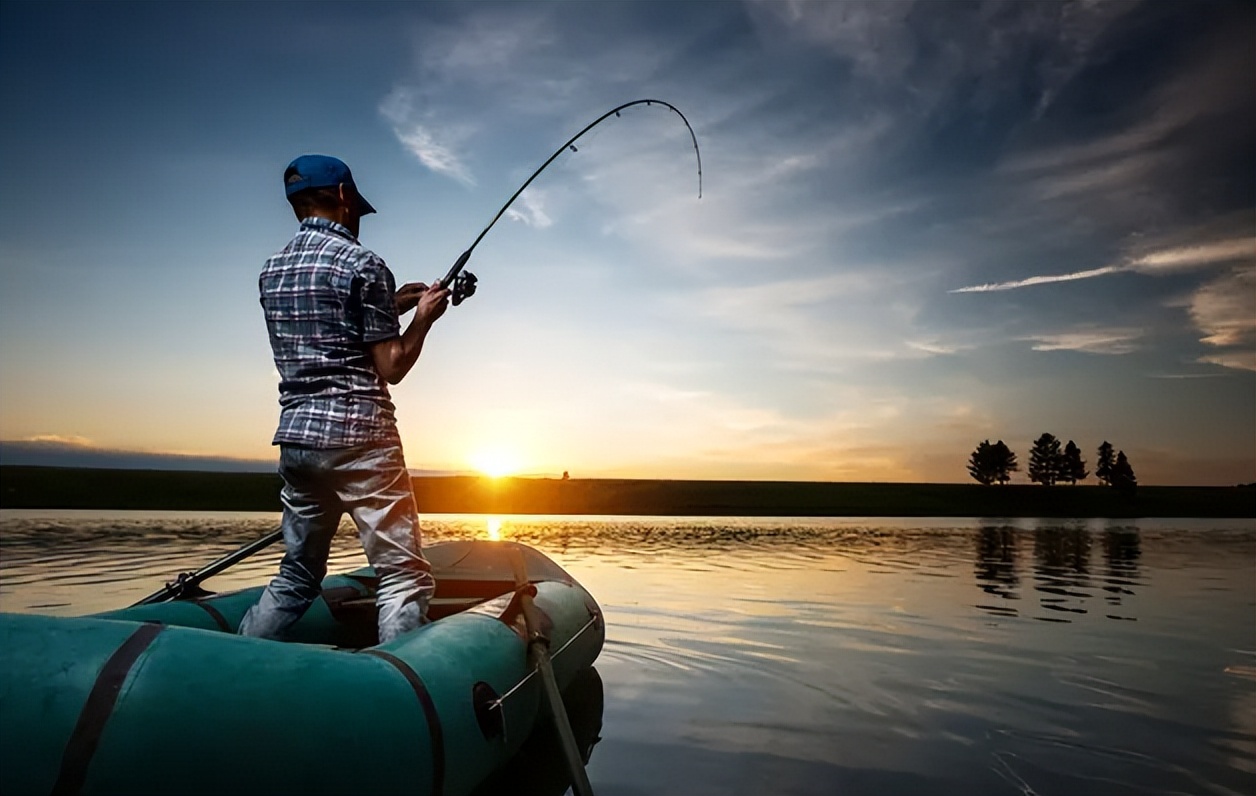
pixel 495 462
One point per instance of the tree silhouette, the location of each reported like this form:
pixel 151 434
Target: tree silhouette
pixel 1004 462
pixel 1103 467
pixel 980 463
pixel 991 463
pixel 1122 478
pixel 1073 467
pixel 1045 460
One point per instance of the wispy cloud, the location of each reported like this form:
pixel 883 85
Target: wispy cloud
pixel 59 439
pixel 428 145
pixel 1238 360
pixel 934 347
pixel 1089 341
pixel 1225 311
pixel 60 450
pixel 1185 375
pixel 993 287
pixel 529 209
pixel 1222 251
pixel 1155 262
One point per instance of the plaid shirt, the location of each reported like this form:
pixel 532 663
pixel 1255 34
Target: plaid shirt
pixel 325 298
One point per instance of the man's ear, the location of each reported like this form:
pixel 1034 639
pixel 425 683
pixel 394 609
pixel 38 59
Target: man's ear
pixel 348 203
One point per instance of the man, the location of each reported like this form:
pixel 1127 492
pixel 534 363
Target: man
pixel 333 320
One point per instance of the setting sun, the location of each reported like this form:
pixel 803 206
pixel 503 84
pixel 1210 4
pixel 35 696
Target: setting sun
pixel 495 462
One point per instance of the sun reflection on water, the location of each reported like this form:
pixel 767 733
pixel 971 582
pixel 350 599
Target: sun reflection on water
pixel 493 528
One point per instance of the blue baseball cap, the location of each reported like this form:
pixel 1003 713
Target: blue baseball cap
pixel 321 171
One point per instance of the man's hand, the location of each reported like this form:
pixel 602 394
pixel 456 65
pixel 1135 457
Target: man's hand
pixel 395 356
pixel 408 296
pixel 432 303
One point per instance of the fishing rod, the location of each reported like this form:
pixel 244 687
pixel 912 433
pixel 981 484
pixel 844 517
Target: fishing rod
pixel 462 285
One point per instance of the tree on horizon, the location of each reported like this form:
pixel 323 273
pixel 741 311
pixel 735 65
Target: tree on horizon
pixel 1103 467
pixel 992 463
pixel 1122 478
pixel 1005 462
pixel 1073 466
pixel 1045 460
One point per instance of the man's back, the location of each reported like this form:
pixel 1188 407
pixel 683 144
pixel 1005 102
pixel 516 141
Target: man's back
pixel 325 299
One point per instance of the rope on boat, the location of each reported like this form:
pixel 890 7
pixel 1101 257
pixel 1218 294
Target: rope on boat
pixel 497 703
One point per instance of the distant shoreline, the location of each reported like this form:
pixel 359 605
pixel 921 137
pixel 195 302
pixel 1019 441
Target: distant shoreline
pixel 33 487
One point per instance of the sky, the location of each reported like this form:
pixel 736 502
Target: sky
pixel 922 225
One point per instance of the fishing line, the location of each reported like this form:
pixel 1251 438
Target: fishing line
pixel 463 284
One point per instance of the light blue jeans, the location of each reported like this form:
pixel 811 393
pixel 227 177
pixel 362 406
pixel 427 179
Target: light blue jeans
pixel 371 484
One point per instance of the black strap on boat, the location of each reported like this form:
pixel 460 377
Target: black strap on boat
pixel 218 618
pixel 434 730
pixel 98 708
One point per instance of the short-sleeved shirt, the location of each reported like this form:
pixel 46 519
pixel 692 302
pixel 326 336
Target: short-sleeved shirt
pixel 326 298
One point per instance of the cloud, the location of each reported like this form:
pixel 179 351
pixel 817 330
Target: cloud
pixel 1225 311
pixel 934 347
pixel 1238 360
pixel 993 287
pixel 58 450
pixel 529 209
pixel 1156 262
pixel 1222 251
pixel 1185 375
pixel 67 440
pixel 429 146
pixel 991 49
pixel 872 36
pixel 1092 341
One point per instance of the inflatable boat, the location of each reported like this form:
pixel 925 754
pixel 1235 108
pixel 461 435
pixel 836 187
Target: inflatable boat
pixel 166 698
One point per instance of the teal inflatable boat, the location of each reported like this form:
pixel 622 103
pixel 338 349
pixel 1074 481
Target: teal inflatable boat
pixel 165 698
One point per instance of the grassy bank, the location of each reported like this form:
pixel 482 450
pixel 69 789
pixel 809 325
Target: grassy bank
pixel 73 488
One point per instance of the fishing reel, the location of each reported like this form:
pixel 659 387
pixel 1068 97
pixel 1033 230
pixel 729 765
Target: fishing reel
pixel 463 287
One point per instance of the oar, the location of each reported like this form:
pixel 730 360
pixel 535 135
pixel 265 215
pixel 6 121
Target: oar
pixel 187 581
pixel 538 656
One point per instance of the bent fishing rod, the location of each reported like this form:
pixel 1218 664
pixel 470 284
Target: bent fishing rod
pixel 462 285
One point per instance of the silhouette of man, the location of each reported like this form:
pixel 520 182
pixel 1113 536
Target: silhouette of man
pixel 333 316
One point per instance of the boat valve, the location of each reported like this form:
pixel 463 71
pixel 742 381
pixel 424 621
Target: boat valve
pixel 489 714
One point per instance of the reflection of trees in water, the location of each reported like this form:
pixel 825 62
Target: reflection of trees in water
pixel 1062 551
pixel 1062 556
pixel 1122 547
pixel 995 566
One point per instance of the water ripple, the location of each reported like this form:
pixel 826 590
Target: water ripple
pixel 900 655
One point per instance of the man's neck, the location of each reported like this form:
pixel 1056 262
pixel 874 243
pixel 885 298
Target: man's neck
pixel 346 219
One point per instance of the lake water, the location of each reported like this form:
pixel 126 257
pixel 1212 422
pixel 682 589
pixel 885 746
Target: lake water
pixel 829 656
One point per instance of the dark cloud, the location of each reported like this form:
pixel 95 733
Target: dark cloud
pixel 76 453
pixel 59 453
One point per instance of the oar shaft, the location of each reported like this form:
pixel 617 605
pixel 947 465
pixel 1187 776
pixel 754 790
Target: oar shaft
pixel 539 657
pixel 189 581
pixel 580 784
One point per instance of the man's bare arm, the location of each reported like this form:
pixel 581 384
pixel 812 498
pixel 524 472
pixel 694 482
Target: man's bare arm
pixel 395 356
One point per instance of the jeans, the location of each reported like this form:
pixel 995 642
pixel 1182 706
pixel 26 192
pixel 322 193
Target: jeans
pixel 371 483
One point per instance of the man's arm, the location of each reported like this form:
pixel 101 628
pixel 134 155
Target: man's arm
pixel 395 356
